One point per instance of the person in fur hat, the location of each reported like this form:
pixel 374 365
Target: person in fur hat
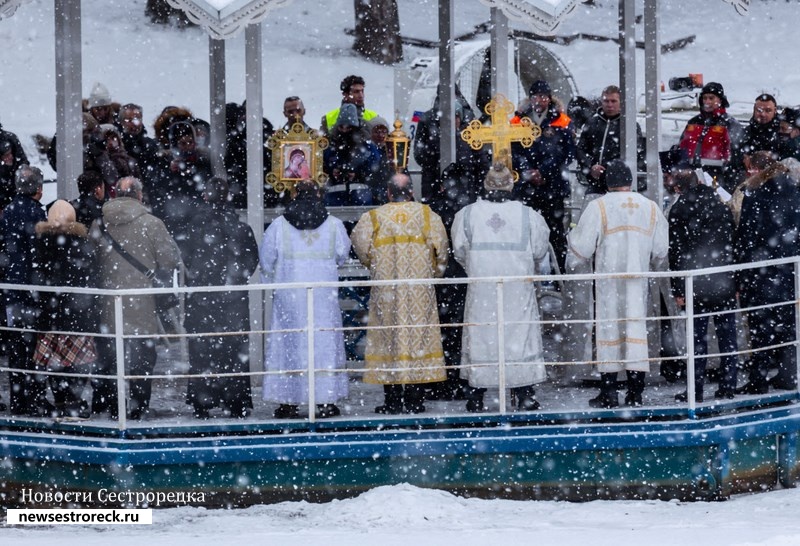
pixel 768 228
pixel 65 257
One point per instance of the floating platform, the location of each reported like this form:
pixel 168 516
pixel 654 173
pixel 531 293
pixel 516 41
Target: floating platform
pixel 643 453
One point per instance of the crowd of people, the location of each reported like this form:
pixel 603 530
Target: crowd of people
pixel 151 208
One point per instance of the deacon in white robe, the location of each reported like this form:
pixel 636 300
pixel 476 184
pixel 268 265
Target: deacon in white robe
pixel 499 237
pixel 304 245
pixel 621 232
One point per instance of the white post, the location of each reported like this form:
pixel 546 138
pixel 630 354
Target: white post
pixel 797 322
pixel 501 348
pixel 627 80
pixel 652 85
pixel 255 174
pixel 120 351
pixel 447 143
pixel 69 119
pixel 312 402
pixel 499 52
pixel 690 372
pixel 216 98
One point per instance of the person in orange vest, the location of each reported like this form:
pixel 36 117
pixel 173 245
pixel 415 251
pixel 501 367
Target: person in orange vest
pixel 543 184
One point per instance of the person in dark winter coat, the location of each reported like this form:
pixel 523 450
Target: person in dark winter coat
pixel 12 157
pixel 769 228
pixel 236 155
pixel 221 251
pixel 89 204
pixel 350 161
pixel 790 133
pixel 701 236
pixel 144 237
pixel 139 146
pixel 762 133
pixel 427 145
pixel 599 142
pixel 185 169
pixel 19 242
pixel 65 257
pixel 543 185
pixel 712 138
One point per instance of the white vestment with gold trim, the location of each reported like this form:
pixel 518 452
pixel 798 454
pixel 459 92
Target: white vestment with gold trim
pixel 625 233
pixel 501 240
pixel 403 240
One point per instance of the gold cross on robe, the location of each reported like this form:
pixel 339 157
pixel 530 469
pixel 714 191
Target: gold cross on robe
pixel 501 133
pixel 630 205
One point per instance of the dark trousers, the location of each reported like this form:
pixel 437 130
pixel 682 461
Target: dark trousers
pixel 552 210
pixel 228 354
pixel 725 326
pixel 771 327
pixel 27 390
pixel 140 359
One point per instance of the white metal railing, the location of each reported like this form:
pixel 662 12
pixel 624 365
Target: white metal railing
pixel 310 328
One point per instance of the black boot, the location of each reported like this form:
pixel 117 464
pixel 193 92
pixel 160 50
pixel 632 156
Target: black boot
pixel 475 400
pixel 392 400
pixel 635 388
pixel 286 411
pixel 413 397
pixel 525 398
pixel 608 397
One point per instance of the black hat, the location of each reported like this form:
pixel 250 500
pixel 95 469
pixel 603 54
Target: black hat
pixel 714 88
pixel 539 87
pixel 5 146
pixel 618 174
pixel 790 116
pixel 674 159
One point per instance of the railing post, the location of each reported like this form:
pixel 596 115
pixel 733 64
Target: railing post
pixel 119 342
pixel 797 323
pixel 312 415
pixel 690 390
pixel 501 347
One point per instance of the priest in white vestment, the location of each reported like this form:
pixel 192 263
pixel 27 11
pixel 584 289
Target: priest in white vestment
pixel 621 232
pixel 500 237
pixel 402 240
pixel 305 244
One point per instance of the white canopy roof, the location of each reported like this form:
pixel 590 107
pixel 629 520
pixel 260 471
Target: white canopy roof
pixel 224 18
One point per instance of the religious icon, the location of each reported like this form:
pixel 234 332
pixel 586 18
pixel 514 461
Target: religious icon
pixel 295 161
pixel 296 156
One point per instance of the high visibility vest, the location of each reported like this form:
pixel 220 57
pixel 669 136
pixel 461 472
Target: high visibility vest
pixel 333 115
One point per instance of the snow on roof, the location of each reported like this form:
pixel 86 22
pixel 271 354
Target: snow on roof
pixel 543 15
pixel 224 19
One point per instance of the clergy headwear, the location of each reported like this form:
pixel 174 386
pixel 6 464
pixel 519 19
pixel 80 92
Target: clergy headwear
pixel 499 178
pixel 618 175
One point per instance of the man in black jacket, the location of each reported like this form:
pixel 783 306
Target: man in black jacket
pixel 701 236
pixel 599 142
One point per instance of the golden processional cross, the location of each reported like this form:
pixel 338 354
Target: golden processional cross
pixel 501 133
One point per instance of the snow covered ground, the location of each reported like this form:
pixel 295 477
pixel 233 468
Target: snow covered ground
pixel 307 53
pixel 403 515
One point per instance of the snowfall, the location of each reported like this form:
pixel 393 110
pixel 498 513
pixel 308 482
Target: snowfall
pixel 307 53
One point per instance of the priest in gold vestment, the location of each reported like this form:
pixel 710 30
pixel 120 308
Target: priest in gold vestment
pixel 402 240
